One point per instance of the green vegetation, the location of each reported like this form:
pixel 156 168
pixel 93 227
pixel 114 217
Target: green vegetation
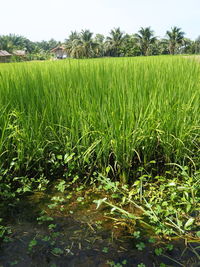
pixel 88 115
pixel 85 44
pixel 175 37
pixel 127 127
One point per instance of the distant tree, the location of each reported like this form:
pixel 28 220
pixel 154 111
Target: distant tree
pixel 5 43
pixel 196 44
pixel 82 45
pixel 186 46
pixel 46 46
pixel 155 48
pixel 114 42
pixel 53 43
pixel 146 38
pixel 73 36
pixel 160 47
pixel 99 38
pixel 100 50
pixel 175 39
pixel 71 44
pixel 86 35
pixel 130 46
pixel 12 42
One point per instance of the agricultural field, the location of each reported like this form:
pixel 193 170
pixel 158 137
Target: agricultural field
pixel 109 147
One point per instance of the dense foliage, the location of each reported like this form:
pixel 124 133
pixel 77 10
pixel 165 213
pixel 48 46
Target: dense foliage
pixel 86 45
pixel 117 112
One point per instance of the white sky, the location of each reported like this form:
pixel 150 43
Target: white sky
pixel 46 19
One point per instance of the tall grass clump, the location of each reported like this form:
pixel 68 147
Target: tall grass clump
pixel 91 114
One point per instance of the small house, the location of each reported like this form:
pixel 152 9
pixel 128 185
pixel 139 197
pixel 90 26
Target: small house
pixel 19 53
pixel 5 56
pixel 59 52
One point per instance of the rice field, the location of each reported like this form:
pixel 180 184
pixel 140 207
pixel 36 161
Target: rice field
pixel 76 135
pixel 114 112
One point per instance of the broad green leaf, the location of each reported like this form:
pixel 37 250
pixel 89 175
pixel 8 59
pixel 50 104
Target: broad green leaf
pixel 189 223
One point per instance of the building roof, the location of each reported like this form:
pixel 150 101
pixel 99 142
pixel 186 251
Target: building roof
pixel 4 53
pixel 19 53
pixel 61 47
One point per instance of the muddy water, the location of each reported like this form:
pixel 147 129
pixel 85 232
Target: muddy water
pixel 80 235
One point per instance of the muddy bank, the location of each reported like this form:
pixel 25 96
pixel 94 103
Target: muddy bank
pixel 74 233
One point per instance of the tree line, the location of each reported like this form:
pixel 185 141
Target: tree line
pixel 85 44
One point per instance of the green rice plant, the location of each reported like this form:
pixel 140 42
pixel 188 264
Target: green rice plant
pixel 118 112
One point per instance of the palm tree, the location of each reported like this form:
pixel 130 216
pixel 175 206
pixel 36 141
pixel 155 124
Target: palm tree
pixel 5 43
pixel 187 46
pixel 175 38
pixel 73 36
pixel 89 47
pixel 81 45
pixel 71 44
pixel 114 42
pixel 197 45
pixel 11 42
pixel 146 38
pixel 99 39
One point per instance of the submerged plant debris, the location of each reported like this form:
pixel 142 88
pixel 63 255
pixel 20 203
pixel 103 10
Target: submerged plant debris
pixel 67 229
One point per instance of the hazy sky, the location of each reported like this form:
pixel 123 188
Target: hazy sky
pixel 45 19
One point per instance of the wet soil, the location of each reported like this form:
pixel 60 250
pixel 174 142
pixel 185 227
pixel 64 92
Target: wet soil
pixel 79 235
